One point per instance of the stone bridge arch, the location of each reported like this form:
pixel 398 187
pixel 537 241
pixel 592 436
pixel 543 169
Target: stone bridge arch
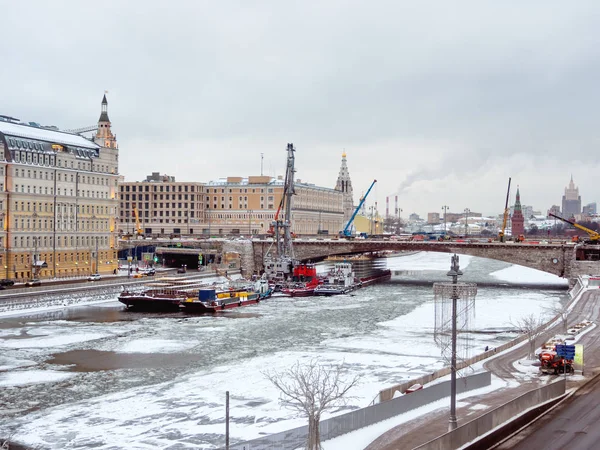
pixel 556 259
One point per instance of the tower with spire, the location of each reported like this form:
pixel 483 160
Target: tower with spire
pixel 571 201
pixel 344 184
pixel 104 136
pixel 517 219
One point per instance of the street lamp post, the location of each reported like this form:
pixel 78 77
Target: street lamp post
pixel 249 223
pixel 467 211
pixel 445 208
pixel 97 269
pixel 35 244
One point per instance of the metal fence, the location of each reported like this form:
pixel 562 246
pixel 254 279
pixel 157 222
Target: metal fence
pixel 345 423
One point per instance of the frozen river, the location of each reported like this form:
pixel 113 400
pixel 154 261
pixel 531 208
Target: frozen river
pixel 101 377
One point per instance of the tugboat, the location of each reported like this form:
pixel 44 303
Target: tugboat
pixel 304 281
pixel 211 300
pixel 339 280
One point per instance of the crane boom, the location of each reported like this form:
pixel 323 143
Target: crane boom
pixel 506 210
pixel 346 231
pixel 138 227
pixel 593 235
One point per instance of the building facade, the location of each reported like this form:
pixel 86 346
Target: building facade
pixel 229 206
pixel 163 207
pixel 433 218
pixel 58 200
pixel 571 201
pixel 517 219
pixel 589 209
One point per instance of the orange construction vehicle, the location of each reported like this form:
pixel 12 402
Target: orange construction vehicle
pixel 553 364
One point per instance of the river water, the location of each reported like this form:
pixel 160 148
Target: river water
pixel 102 377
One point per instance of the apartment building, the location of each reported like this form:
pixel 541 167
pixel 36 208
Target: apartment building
pixel 163 206
pixel 58 204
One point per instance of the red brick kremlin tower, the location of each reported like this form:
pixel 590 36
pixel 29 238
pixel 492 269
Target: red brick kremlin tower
pixel 517 220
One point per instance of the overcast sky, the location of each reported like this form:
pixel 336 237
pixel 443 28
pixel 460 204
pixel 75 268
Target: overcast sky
pixel 439 101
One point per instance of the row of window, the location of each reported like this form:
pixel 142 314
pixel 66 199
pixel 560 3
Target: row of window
pixel 67 225
pixel 159 188
pixel 155 197
pixel 61 241
pixel 59 191
pixel 49 175
pixel 60 208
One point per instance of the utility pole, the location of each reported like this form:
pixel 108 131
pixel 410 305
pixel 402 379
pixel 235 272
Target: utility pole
pixel 97 268
pixel 226 420
pixel 454 273
pixel 445 208
pixel 249 223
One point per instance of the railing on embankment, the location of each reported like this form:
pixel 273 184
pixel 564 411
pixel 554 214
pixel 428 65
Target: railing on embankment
pixel 388 393
pixel 346 423
pixel 504 414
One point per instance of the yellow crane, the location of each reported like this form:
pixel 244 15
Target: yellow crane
pixel 138 227
pixel 505 219
pixel 593 235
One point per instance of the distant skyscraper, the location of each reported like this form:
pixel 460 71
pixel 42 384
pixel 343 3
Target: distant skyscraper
pixel 571 201
pixel 344 184
pixel 589 209
pixel 517 220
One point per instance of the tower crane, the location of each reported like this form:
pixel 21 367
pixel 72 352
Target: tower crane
pixel 506 210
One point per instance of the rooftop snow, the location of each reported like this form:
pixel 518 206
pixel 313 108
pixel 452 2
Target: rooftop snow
pixel 43 134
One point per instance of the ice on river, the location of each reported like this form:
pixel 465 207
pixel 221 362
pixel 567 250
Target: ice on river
pixel 382 334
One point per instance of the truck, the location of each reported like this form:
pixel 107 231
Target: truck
pixel 552 364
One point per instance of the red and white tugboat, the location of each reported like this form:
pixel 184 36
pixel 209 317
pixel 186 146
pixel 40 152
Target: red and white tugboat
pixel 304 281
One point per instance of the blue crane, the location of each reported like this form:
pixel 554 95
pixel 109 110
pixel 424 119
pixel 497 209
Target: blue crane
pixel 346 231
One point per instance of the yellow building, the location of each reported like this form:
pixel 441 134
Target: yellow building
pixel 57 200
pixel 228 206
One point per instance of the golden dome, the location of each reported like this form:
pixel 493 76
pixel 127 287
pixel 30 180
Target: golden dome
pixel 343 154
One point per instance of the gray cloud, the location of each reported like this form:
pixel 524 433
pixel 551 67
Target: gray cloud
pixel 424 96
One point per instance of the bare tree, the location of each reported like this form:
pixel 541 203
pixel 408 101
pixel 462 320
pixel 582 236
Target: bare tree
pixel 311 389
pixel 562 311
pixel 532 327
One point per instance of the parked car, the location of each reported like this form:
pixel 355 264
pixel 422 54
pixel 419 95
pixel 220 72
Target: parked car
pixel 150 272
pixel 6 282
pixel 94 277
pixel 33 282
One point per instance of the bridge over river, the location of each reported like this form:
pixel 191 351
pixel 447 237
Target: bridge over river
pixel 564 259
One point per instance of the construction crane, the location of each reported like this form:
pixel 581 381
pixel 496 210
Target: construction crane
pixel 138 227
pixel 82 130
pixel 506 210
pixel 594 236
pixel 347 232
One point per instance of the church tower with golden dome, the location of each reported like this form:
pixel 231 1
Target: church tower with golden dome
pixel 344 184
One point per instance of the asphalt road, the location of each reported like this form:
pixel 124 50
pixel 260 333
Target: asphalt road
pixel 572 425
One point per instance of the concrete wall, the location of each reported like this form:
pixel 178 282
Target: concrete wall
pixel 483 424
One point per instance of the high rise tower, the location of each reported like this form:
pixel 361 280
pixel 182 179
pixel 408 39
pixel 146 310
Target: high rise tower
pixel 571 201
pixel 517 220
pixel 344 184
pixel 104 136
